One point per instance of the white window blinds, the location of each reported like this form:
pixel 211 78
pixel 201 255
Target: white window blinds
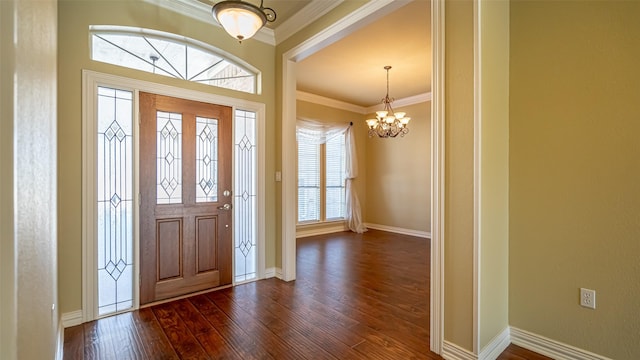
pixel 308 182
pixel 335 178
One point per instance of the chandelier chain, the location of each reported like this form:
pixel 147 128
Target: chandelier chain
pixel 387 122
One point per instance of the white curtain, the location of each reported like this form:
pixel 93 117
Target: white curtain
pixel 319 133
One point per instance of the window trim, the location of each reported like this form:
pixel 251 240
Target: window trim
pixel 137 31
pixel 323 191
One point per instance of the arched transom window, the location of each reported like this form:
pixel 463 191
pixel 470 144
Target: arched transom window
pixel 171 55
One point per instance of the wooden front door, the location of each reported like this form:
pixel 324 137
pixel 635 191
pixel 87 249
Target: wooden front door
pixel 185 205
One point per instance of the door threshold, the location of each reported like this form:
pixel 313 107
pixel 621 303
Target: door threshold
pixel 185 296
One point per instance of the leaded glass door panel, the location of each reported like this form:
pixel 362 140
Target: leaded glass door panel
pixel 114 200
pixel 185 213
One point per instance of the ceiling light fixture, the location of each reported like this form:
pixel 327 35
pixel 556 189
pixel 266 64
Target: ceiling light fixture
pixel 387 122
pixel 242 19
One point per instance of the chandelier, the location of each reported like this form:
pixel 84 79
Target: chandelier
pixel 387 122
pixel 241 19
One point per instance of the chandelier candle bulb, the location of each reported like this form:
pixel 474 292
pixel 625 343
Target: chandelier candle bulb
pixel 387 123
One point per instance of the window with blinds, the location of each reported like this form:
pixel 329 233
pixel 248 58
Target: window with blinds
pixel 321 181
pixel 308 182
pixel 334 175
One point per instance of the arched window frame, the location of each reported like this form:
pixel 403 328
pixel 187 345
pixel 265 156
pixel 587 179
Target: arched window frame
pixel 97 30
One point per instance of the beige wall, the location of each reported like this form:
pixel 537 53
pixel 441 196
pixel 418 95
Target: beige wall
pixel 398 174
pixel 493 217
pixel 74 20
pixel 8 310
pixel 458 232
pixel 574 171
pixel 29 316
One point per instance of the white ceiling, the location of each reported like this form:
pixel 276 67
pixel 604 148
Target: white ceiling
pixel 351 69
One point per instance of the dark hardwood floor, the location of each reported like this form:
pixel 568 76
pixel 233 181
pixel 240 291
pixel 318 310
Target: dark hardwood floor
pixel 355 297
pixel 514 352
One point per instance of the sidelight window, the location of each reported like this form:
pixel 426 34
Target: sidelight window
pixel 245 197
pixel 114 200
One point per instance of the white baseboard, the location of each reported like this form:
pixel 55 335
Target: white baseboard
pixel 551 348
pixel 496 346
pixel 72 318
pixel 530 341
pixel 273 272
pixel 320 229
pixel 60 342
pixel 397 230
pixel 313 230
pixel 451 351
pixel 269 273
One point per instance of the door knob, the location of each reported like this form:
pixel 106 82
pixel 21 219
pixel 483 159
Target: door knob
pixel 225 207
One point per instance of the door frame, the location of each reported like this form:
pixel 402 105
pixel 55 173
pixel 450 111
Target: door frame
pixel 366 14
pixel 90 81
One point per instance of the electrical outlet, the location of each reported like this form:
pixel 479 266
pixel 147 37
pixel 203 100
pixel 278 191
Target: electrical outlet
pixel 588 298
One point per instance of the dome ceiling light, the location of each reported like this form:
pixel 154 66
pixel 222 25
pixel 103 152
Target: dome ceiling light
pixel 241 19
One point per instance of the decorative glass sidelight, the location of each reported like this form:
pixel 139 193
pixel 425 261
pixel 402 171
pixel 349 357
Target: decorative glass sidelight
pixel 115 200
pixel 245 205
pixel 169 158
pixel 206 160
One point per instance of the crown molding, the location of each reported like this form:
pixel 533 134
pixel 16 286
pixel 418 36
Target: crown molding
pixel 310 13
pixel 265 35
pixel 336 104
pixel 411 100
pixel 339 104
pixel 202 12
pixel 193 9
pixel 364 15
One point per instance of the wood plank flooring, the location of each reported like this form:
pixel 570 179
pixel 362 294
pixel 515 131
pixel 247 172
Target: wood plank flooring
pixel 514 352
pixel 355 297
